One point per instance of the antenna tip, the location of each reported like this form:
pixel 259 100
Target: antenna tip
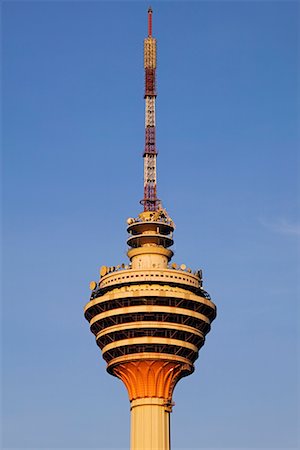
pixel 149 21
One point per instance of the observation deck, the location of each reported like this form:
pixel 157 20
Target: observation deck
pixel 149 310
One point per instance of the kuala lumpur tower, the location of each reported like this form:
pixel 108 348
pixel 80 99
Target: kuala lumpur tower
pixel 150 316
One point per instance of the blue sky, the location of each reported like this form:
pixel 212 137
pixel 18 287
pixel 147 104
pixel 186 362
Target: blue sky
pixel 73 124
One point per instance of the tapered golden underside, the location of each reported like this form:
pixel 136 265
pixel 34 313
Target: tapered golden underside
pixel 151 378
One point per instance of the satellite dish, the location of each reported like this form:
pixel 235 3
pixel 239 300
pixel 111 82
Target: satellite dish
pixel 93 285
pixel 183 267
pixel 174 266
pixel 103 271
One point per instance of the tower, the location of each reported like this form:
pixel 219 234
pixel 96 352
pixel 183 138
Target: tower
pixel 150 316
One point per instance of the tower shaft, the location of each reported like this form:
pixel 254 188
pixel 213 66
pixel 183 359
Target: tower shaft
pixel 150 200
pixel 150 424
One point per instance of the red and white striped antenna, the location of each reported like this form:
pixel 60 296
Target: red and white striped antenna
pixel 150 200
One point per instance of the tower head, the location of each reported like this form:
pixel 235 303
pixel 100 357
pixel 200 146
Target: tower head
pixel 150 316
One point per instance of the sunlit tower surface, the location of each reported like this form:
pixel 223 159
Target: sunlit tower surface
pixel 150 316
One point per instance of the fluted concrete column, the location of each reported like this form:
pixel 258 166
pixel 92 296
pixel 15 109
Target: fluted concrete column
pixel 150 385
pixel 150 424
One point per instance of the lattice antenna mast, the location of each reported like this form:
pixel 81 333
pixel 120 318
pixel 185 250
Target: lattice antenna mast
pixel 150 200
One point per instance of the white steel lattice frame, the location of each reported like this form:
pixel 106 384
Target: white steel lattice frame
pixel 150 200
